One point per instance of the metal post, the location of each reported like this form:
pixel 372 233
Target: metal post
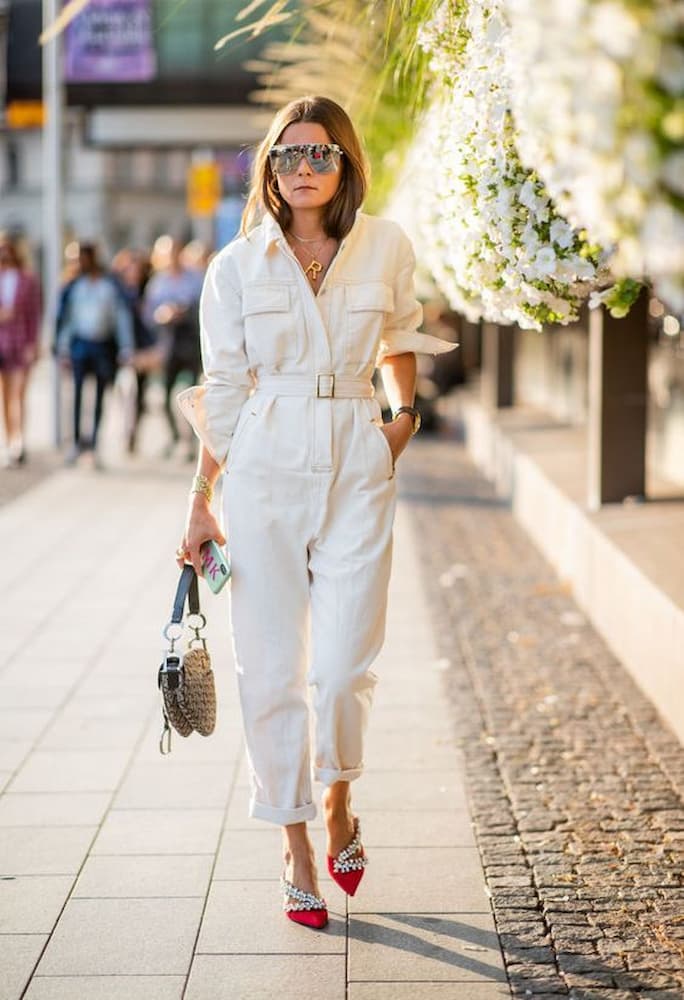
pixel 497 365
pixel 52 194
pixel 618 358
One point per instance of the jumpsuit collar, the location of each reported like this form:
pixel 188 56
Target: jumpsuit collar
pixel 273 232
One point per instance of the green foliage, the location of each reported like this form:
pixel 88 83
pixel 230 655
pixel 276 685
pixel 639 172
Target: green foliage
pixel 366 55
pixel 620 298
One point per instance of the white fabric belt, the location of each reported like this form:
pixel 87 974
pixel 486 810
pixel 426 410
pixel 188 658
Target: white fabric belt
pixel 323 385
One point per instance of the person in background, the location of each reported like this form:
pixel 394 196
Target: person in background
pixel 132 269
pixel 196 256
pixel 172 304
pixel 94 333
pixel 20 310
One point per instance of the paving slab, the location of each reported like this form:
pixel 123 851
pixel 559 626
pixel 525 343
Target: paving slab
pixel 246 918
pixel 424 879
pixel 23 723
pixel 142 875
pixel 108 937
pixel 32 850
pixel 18 956
pixel 30 904
pixel 424 947
pixel 188 785
pixel 262 977
pixel 410 828
pixel 250 854
pixel 71 771
pixel 53 808
pixel 74 729
pixel 13 753
pixel 25 696
pixel 410 790
pixel 159 831
pixel 105 988
pixel 429 991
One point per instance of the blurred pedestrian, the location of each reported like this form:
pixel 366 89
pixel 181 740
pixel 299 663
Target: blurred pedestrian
pixel 195 256
pixel 20 309
pixel 94 334
pixel 133 268
pixel 172 304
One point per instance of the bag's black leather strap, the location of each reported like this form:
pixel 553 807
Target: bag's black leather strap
pixel 187 590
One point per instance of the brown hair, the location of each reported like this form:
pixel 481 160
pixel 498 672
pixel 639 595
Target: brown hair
pixel 13 244
pixel 339 213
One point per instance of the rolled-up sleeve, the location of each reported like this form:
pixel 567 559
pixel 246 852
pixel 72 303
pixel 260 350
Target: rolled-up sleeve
pixel 400 334
pixel 213 407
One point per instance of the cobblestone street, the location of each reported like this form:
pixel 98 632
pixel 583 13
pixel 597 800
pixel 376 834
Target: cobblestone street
pixel 574 782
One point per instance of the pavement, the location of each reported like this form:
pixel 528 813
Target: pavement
pixel 127 874
pixel 521 805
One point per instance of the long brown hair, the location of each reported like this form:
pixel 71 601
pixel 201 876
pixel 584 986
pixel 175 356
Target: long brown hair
pixel 339 213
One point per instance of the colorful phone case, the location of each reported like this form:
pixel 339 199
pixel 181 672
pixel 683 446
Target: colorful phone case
pixel 215 565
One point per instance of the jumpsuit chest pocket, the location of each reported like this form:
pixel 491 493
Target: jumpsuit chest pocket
pixel 271 334
pixel 367 306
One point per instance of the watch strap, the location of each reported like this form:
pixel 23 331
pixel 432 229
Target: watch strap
pixel 415 414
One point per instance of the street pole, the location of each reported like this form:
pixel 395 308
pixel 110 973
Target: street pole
pixel 52 194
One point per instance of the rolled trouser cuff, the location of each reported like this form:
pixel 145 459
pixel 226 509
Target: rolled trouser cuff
pixel 329 775
pixel 283 817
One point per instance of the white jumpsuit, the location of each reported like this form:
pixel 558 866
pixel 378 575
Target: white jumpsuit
pixel 309 490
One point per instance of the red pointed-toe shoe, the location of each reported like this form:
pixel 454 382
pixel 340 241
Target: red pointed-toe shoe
pixel 303 907
pixel 347 868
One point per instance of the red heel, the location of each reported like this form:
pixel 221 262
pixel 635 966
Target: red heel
pixel 346 869
pixel 303 907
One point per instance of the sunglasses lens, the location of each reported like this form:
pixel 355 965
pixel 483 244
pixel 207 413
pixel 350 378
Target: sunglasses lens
pixel 323 158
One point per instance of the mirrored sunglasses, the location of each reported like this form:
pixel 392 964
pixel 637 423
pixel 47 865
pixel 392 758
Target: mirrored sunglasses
pixel 322 157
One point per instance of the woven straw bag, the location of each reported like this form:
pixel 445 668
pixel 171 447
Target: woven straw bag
pixel 186 682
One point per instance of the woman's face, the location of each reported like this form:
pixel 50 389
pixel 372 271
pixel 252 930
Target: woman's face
pixel 304 188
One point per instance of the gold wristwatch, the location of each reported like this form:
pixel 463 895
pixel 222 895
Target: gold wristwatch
pixel 415 414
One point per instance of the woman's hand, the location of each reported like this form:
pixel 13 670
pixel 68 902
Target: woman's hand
pixel 200 526
pixel 398 433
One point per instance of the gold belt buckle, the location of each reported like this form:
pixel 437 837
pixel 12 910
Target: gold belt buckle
pixel 331 386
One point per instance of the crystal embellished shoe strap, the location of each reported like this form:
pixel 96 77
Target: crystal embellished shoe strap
pixel 345 860
pixel 303 900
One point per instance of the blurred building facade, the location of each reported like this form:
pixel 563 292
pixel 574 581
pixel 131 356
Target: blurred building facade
pixel 128 143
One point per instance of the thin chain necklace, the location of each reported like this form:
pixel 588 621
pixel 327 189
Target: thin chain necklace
pixel 315 267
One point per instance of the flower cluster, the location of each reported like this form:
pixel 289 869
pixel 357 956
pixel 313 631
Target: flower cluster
pixel 598 102
pixel 485 224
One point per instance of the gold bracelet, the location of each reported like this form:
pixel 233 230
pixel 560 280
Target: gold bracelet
pixel 201 484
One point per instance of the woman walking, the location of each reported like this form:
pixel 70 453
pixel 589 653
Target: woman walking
pixel 295 315
pixel 19 336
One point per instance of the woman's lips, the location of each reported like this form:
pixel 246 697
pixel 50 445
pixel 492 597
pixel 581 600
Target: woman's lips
pixel 305 187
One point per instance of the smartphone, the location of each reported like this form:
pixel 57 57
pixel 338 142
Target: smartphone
pixel 215 565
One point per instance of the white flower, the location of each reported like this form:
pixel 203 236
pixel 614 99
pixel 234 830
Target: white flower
pixel 561 233
pixel 587 81
pixel 614 29
pixel 545 261
pixel 481 219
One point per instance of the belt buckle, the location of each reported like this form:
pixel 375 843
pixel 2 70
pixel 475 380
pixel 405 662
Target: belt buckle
pixel 331 387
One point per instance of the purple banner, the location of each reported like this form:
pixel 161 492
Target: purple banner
pixel 111 42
